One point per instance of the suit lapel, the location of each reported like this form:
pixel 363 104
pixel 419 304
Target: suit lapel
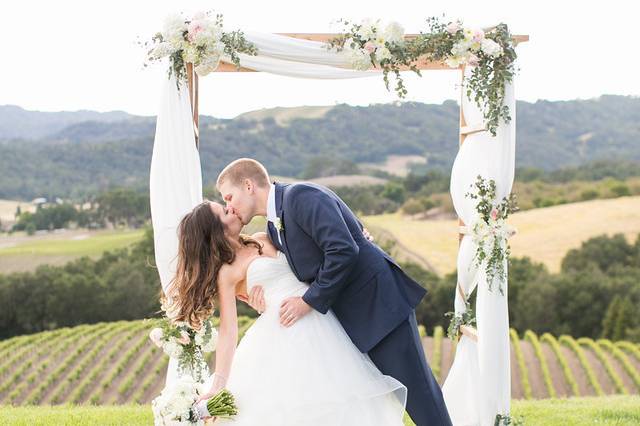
pixel 279 190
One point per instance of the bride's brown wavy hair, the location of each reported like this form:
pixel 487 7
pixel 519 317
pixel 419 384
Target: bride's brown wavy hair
pixel 203 249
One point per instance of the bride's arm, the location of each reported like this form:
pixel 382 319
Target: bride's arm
pixel 227 333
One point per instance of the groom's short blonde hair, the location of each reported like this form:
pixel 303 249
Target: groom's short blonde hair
pixel 244 168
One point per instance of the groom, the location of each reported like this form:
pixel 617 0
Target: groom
pixel 371 296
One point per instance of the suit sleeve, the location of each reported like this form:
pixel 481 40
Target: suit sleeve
pixel 319 215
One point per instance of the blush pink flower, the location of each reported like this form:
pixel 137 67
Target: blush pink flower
pixel 194 28
pixel 453 27
pixel 478 36
pixel 494 214
pixel 369 47
pixel 473 60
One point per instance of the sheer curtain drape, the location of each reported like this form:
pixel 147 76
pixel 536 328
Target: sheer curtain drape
pixel 479 383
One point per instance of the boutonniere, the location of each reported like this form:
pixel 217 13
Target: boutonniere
pixel 278 224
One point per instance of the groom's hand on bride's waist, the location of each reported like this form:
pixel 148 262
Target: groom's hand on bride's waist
pixel 292 309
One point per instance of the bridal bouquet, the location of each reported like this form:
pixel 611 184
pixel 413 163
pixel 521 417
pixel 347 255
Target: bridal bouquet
pixel 200 40
pixel 178 340
pixel 490 231
pixel 175 405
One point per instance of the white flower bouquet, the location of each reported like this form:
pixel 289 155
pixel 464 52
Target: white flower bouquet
pixel 178 340
pixel 490 231
pixel 175 405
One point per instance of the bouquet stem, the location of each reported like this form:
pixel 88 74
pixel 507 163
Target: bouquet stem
pixel 222 405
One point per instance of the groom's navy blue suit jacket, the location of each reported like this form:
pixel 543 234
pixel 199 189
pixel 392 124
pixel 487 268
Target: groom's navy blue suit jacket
pixel 323 242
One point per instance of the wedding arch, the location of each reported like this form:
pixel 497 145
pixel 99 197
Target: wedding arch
pixel 477 390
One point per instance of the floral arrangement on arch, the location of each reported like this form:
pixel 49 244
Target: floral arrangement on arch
pixel 490 231
pixel 370 44
pixel 200 40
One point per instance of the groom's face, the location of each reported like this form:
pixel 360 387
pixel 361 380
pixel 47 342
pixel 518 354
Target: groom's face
pixel 240 199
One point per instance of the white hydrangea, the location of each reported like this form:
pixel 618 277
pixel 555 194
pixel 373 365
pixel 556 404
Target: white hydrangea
pixel 172 348
pixel 173 32
pixel 491 48
pixel 394 33
pixel 174 405
pixel 210 345
pixel 367 29
pixel 358 58
pixel 161 50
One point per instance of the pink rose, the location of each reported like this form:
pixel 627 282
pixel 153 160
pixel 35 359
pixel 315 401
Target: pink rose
pixel 453 27
pixel 473 60
pixel 369 47
pixel 478 36
pixel 156 336
pixel 494 214
pixel 195 27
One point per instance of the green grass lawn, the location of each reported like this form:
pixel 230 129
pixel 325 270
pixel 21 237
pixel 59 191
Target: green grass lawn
pixel 20 253
pixel 613 410
pixel 94 243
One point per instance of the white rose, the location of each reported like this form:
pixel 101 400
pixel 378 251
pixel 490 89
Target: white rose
pixel 394 33
pixel 190 54
pixel 491 48
pixel 367 28
pixel 382 53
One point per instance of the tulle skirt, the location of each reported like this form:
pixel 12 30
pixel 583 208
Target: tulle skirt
pixel 309 374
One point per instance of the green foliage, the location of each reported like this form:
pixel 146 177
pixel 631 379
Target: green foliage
pixel 522 365
pixel 629 368
pixel 546 376
pixel 595 348
pixel 329 166
pixel 566 370
pixel 571 343
pixel 77 158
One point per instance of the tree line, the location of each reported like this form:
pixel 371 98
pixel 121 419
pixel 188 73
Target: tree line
pixel 596 293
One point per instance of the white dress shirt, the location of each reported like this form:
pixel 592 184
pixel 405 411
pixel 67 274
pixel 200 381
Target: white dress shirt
pixel 271 209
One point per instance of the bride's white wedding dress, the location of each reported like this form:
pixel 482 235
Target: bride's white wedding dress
pixel 308 374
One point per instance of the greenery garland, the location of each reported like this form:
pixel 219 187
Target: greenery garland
pixel 491 53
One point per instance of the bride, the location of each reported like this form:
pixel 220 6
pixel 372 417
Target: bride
pixel 307 374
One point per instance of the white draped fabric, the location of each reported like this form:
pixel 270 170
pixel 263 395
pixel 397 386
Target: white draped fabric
pixel 175 181
pixel 479 383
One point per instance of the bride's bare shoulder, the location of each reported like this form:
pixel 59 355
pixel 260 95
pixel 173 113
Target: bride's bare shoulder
pixel 230 275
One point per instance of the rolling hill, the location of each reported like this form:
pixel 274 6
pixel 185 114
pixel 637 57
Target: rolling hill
pixel 51 154
pixel 544 234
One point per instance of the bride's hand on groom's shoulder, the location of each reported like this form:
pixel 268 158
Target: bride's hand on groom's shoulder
pixel 255 299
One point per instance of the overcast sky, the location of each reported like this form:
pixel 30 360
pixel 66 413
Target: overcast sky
pixel 71 55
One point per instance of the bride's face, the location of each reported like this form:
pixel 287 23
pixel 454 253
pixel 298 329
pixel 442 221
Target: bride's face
pixel 231 222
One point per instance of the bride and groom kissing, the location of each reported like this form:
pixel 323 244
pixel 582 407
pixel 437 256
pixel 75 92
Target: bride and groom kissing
pixel 336 342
